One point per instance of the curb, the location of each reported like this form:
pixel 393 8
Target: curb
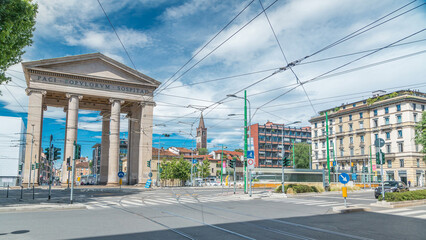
pixel 350 209
pixel 399 204
pixel 29 208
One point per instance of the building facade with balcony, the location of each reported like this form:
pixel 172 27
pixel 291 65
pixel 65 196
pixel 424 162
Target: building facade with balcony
pixel 354 127
pixel 269 140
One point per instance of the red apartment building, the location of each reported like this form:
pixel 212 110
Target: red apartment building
pixel 268 140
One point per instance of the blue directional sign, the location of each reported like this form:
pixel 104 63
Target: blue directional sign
pixel 334 163
pixel 344 178
pixel 194 161
pixel 354 176
pixel 120 174
pixel 148 183
pixel 250 154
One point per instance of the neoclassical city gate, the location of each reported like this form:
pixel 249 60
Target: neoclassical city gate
pixel 92 82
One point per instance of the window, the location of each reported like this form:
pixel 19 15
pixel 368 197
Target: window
pixel 375 122
pixel 398 107
pixel 316 155
pixel 350 117
pixel 341 141
pixel 316 145
pixel 323 132
pixel 360 115
pixel 323 154
pixel 423 107
pixel 323 123
pixel 414 106
pixel 341 152
pixel 399 133
pixel 316 133
pixel 340 119
pixel 399 119
pixel 351 140
pixel 331 121
pixel 401 162
pixel 352 151
pixel 362 151
pixel 417 147
pixel 389 163
pixel 375 112
pixel 316 125
pixel 331 130
pixel 376 136
pixel 212 170
pixel 331 153
pixel 388 148
pixel 387 135
pixel 386 120
pixel 361 125
pixel 386 110
pixel 362 139
pixel 418 162
pixel 400 147
pixel 350 126
pixel 323 144
pixel 415 117
pixel 344 107
pixel 340 128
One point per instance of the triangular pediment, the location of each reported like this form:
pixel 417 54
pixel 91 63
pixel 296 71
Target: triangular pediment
pixel 94 65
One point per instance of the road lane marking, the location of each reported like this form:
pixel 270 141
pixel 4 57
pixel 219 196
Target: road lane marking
pixel 410 212
pixel 421 216
pixel 394 210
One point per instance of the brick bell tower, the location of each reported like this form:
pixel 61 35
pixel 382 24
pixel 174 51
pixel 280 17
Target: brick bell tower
pixel 201 134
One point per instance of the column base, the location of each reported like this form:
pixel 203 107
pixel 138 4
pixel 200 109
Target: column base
pixel 112 184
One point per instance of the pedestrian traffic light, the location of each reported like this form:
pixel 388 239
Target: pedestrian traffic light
pixel 285 162
pixel 47 153
pixel 378 157
pixel 68 161
pixel 231 163
pixel 149 163
pixel 20 167
pixel 32 166
pixel 333 169
pixel 56 153
pixel 37 165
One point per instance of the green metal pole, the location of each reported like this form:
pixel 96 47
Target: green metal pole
pixel 294 165
pixel 328 146
pixel 245 141
pixel 371 166
pixel 221 167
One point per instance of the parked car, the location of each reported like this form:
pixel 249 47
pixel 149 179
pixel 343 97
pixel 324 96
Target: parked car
pixel 391 186
pixel 86 180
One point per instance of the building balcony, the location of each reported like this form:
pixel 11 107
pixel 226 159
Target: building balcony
pixel 360 131
pixel 386 127
pixel 338 134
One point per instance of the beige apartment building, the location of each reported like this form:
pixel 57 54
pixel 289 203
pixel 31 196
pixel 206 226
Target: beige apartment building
pixel 354 127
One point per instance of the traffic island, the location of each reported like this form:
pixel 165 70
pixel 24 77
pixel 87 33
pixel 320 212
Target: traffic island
pixel 42 207
pixel 350 209
pixel 399 204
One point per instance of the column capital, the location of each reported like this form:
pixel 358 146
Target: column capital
pixel 29 91
pixel 103 113
pixel 70 95
pixel 112 100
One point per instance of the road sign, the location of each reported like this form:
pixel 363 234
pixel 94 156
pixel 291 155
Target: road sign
pixel 344 178
pixel 353 176
pixel 194 161
pixel 69 168
pixel 120 174
pixel 148 183
pixel 379 142
pixel 150 174
pixel 250 163
pixel 335 163
pixel 250 154
pixel 374 167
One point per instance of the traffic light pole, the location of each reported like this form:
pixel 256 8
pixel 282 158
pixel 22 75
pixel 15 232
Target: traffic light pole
pixel 381 172
pixel 245 141
pixel 73 167
pixel 328 147
pixel 235 177
pixel 282 162
pixel 31 156
pixel 50 166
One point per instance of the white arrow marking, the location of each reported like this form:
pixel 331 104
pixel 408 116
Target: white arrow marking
pixel 343 178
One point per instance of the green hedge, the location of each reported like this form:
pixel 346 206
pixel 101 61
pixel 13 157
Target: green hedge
pixel 297 188
pixel 404 196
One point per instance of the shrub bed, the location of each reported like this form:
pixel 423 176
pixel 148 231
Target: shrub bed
pixel 298 188
pixel 404 196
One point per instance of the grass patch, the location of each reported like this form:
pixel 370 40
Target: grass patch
pixel 404 196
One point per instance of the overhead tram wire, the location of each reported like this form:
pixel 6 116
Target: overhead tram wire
pixel 285 58
pixel 276 68
pixel 208 54
pixel 341 66
pixel 205 45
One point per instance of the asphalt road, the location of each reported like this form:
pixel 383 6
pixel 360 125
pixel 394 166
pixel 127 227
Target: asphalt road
pixel 187 213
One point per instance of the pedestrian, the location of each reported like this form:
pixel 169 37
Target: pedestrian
pixel 409 183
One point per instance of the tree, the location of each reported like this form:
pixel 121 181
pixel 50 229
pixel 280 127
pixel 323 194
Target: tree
pixel 301 155
pixel 202 151
pixel 182 171
pixel 238 150
pixel 205 169
pixel 420 130
pixel 17 20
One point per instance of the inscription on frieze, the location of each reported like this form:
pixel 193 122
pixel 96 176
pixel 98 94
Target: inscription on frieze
pixel 116 87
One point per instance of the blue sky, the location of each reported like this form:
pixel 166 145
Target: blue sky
pixel 161 36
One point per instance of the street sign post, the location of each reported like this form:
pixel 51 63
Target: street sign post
pixel 354 176
pixel 250 163
pixel 380 142
pixel 250 154
pixel 344 178
pixel 148 183
pixel 120 174
pixel 194 161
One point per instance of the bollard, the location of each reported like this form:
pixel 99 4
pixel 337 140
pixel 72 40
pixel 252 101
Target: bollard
pixel 7 192
pixel 22 189
pixel 345 193
pixel 33 192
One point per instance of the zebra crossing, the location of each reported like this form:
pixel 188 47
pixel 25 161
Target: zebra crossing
pixel 308 202
pixel 405 212
pixel 147 201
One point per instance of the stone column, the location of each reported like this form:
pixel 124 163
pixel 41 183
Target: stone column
pixel 114 141
pixel 145 140
pixel 129 147
pixel 34 130
pixel 71 133
pixel 104 148
pixel 134 128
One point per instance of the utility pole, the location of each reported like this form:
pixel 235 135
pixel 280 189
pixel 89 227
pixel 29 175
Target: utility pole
pixel 282 161
pixel 73 167
pixel 245 141
pixel 221 167
pixel 328 146
pixel 294 161
pixel 50 166
pixel 31 156
pixel 371 169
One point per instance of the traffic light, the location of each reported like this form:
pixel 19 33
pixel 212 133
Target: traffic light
pixel 68 161
pixel 231 163
pixel 333 169
pixel 77 154
pixel 149 163
pixel 56 153
pixel 47 153
pixel 285 162
pixel 20 167
pixel 37 165
pixel 378 157
pixel 161 170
